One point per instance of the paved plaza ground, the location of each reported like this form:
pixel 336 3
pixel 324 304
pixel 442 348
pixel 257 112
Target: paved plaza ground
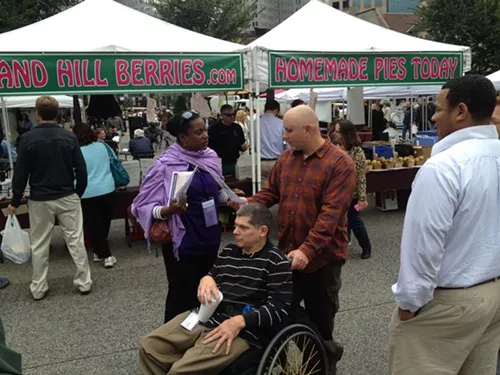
pixel 99 334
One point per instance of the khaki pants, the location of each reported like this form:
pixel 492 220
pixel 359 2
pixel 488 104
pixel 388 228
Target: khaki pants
pixel 174 350
pixel 265 169
pixel 458 332
pixel 68 212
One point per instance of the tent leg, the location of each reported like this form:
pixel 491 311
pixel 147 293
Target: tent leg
pixel 8 136
pixel 252 138
pixel 257 136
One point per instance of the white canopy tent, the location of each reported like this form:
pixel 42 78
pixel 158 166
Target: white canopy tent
pixel 108 26
pixel 495 78
pixel 12 102
pixel 316 21
pixel 105 26
pixel 339 93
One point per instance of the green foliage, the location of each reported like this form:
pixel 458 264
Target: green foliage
pixel 473 23
pixel 223 19
pixel 18 13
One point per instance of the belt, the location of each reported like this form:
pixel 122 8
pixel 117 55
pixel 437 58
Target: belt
pixel 472 286
pixel 268 159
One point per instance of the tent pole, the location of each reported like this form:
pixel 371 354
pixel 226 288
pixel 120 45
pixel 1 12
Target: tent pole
pixel 411 116
pixel 252 137
pixel 257 136
pixel 8 136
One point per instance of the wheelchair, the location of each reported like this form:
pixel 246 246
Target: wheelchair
pixel 297 349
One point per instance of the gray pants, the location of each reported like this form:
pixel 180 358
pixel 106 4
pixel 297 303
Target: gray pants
pixel 68 212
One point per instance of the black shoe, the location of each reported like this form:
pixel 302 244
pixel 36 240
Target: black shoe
pixel 85 292
pixel 366 254
pixel 334 352
pixel 4 282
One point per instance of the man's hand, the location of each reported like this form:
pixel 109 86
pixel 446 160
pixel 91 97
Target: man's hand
pixel 227 331
pixel 235 205
pixel 405 315
pixel 12 210
pixel 206 288
pixel 299 260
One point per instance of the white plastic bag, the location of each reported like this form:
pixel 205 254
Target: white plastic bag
pixel 16 242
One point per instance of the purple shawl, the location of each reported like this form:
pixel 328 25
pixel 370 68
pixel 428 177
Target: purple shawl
pixel 156 187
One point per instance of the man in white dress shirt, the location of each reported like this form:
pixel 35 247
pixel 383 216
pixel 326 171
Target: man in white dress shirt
pixel 448 289
pixel 271 137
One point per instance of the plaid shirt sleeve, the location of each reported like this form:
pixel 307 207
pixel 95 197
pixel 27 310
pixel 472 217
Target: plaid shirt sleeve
pixel 337 196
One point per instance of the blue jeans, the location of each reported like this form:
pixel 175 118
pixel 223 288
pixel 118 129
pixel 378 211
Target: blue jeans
pixel 356 225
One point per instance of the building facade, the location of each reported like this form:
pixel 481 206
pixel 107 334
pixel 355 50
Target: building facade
pixel 402 6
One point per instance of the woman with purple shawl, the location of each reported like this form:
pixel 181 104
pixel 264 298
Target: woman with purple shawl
pixel 196 233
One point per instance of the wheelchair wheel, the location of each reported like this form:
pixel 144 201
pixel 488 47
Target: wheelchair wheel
pixel 295 350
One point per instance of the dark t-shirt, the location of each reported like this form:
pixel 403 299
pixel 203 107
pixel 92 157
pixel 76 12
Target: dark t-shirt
pixel 226 141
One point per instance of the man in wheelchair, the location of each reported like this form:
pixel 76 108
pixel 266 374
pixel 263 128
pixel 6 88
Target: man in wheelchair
pixel 255 280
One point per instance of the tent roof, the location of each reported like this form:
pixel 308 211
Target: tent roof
pixel 318 27
pixel 495 78
pixel 29 101
pixel 107 26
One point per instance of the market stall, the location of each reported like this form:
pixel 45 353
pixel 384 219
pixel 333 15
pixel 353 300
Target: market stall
pixel 371 56
pixel 113 59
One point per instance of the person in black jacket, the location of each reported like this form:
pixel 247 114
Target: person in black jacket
pixel 50 158
pixel 141 147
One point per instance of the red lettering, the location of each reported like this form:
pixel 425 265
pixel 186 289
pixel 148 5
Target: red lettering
pixel 330 69
pixel 353 69
pixel 177 80
pixel 305 68
pixel 293 70
pixel 99 82
pixel 379 67
pixel 444 69
pixel 402 68
pixel 122 74
pixel 39 74
pixel 363 66
pixel 21 73
pixel 280 73
pixel 65 70
pixel 434 69
pixel 415 62
pixel 318 66
pixel 425 68
pixel 166 72
pixel 78 73
pixel 150 73
pixel 136 69
pixel 5 74
pixel 343 73
pixel 393 66
pixel 87 82
pixel 453 62
pixel 185 71
pixel 198 75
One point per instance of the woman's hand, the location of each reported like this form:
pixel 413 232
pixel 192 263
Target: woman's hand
pixel 362 205
pixel 176 207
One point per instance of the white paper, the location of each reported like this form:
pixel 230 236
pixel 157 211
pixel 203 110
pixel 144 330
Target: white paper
pixel 180 184
pixel 207 310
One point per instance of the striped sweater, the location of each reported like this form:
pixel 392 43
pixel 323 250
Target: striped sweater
pixel 257 286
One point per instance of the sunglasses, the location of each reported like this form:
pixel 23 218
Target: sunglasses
pixel 228 114
pixel 188 115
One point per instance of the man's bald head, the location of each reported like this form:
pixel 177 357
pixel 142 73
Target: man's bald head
pixel 302 130
pixel 302 116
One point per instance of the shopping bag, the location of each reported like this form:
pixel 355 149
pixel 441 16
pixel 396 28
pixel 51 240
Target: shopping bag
pixel 16 242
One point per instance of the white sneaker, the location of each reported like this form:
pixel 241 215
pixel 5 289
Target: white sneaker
pixel 109 262
pixel 97 259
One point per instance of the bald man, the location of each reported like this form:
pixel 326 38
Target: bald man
pixel 313 183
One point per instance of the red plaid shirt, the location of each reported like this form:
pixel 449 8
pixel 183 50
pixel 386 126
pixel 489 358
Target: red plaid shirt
pixel 314 195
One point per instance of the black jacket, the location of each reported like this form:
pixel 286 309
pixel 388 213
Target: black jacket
pixel 50 158
pixel 141 148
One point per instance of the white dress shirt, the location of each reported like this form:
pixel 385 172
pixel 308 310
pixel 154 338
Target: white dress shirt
pixel 451 235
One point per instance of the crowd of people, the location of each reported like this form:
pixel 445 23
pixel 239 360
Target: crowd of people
pixel 447 319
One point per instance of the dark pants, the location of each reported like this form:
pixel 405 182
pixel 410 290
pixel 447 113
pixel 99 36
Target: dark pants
pixel 356 225
pixel 229 169
pixel 10 361
pixel 320 292
pixel 183 277
pixel 97 213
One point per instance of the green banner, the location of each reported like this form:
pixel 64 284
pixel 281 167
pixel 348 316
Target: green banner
pixel 303 70
pixel 110 73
